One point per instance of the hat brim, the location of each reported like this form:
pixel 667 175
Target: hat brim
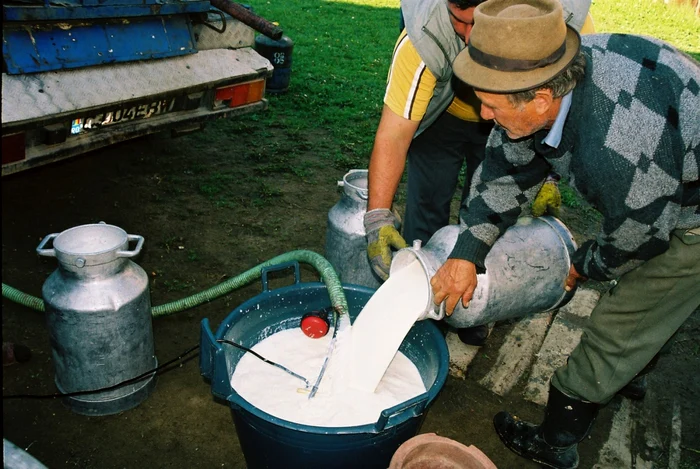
pixel 497 81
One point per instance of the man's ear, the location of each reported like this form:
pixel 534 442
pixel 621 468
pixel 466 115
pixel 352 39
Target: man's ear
pixel 543 101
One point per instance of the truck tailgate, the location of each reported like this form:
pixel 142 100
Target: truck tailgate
pixel 27 97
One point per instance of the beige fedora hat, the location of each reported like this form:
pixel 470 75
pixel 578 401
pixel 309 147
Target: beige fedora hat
pixel 516 45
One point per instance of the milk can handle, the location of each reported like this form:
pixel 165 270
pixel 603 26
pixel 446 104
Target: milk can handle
pixel 437 312
pixel 137 249
pixel 46 252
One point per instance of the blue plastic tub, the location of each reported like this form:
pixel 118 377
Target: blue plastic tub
pixel 270 442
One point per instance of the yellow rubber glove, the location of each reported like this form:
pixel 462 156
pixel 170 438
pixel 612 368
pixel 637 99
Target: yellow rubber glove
pixel 382 236
pixel 548 199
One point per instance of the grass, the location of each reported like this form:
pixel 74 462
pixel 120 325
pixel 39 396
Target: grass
pixel 177 285
pixel 172 243
pixel 342 52
pixel 568 196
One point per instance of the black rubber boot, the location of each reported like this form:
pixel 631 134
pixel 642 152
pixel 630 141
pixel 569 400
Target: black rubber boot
pixel 635 389
pixel 553 444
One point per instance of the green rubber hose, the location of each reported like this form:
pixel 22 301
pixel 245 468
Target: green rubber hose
pixel 22 298
pixel 320 263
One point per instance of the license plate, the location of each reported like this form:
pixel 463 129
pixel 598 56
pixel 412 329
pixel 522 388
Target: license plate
pixel 124 114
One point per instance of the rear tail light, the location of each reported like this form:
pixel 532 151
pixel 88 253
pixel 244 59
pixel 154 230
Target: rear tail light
pixel 13 148
pixel 239 94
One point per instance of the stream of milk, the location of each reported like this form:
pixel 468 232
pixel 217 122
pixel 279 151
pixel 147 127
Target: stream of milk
pixel 384 322
pixel 366 373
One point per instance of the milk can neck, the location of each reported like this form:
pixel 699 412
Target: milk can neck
pixel 92 250
pixel 87 268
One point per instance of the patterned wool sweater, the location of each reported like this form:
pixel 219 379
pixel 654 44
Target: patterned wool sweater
pixel 630 146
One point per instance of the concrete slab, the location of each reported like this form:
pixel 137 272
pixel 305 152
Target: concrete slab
pixel 517 353
pixel 651 427
pixel 581 304
pixel 461 355
pixel 616 453
pixel 674 456
pixel 639 419
pixel 562 337
pixel 635 419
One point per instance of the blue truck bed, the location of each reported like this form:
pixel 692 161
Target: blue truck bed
pixel 44 37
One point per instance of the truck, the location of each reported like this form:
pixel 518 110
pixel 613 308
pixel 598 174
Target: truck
pixel 79 75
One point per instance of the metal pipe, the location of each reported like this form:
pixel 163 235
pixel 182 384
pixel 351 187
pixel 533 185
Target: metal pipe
pixel 249 18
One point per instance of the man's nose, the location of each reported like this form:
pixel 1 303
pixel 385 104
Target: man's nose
pixel 486 113
pixel 463 31
pixel 466 32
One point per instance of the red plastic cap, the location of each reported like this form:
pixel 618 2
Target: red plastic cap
pixel 314 327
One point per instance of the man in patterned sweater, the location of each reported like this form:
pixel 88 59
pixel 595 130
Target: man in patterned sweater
pixel 619 117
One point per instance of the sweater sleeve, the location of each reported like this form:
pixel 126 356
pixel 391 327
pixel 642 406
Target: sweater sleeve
pixel 503 186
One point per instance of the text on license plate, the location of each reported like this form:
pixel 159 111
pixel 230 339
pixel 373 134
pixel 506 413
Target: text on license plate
pixel 141 111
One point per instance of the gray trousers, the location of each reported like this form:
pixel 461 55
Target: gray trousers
pixel 633 321
pixel 435 159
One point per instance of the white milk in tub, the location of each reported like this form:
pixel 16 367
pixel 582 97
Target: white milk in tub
pixel 360 360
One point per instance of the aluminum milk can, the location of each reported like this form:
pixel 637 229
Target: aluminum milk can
pixel 525 271
pixel 98 312
pixel 346 246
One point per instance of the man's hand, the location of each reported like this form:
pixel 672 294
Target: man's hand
pixel 548 199
pixel 573 278
pixel 454 281
pixel 382 236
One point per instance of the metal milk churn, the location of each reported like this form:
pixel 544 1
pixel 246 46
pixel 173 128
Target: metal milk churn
pixel 346 246
pixel 98 311
pixel 525 271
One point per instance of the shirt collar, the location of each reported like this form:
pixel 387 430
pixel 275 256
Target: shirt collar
pixel 553 138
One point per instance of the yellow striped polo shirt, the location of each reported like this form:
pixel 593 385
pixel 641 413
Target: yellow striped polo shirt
pixel 410 86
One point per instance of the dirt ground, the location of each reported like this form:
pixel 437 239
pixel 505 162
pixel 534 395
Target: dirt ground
pixel 209 212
